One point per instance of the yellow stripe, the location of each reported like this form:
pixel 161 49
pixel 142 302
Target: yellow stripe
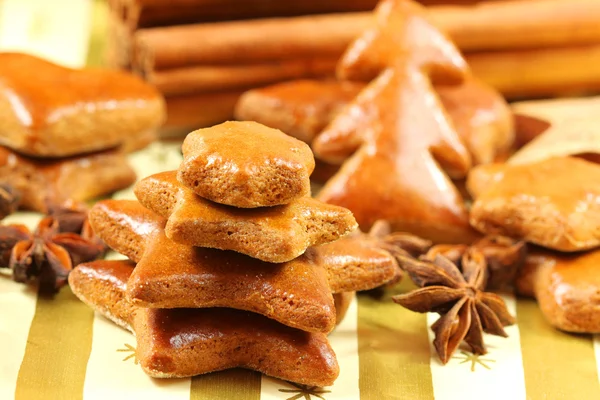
pixel 58 348
pixel 99 32
pixel 238 384
pixel 557 365
pixel 393 349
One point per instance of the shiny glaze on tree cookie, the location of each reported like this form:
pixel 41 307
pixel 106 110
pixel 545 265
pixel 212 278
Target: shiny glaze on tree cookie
pixel 303 108
pixel 397 131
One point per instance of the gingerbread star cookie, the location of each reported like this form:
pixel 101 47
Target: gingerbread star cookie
pixel 45 184
pixel 396 136
pixel 272 234
pixel 554 203
pixel 47 110
pixel 127 227
pixel 173 275
pixel 567 288
pixel 102 285
pixel 187 342
pixel 246 165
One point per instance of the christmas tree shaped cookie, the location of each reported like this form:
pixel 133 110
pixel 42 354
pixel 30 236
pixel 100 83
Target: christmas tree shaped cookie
pixel 401 145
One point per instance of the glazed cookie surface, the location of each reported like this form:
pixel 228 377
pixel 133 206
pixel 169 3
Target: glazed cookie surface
pixel 553 203
pixel 246 165
pixel 63 111
pixel 272 234
pixel 188 342
pixel 48 183
pixel 567 288
pixel 351 264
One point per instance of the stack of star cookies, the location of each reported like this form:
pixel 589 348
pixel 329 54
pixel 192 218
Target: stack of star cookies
pixel 235 263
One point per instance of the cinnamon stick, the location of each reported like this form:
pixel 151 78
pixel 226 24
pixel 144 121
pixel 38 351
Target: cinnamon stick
pixel 520 24
pixel 152 13
pixel 485 26
pixel 226 77
pixel 542 72
pixel 250 41
pixel 165 12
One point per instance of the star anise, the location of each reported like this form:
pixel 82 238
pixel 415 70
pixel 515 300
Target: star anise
pixel 46 253
pixel 9 199
pixel 466 311
pixel 9 236
pixel 70 215
pixel 397 244
pixel 503 255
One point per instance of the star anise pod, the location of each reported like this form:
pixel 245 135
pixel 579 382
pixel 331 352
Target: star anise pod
pixel 397 244
pixel 9 199
pixel 9 236
pixel 47 254
pixel 504 256
pixel 70 215
pixel 466 311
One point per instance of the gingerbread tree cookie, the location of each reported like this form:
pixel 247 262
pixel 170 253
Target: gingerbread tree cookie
pixel 401 140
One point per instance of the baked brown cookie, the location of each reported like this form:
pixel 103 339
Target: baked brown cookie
pixel 172 275
pixel 553 203
pixel 342 303
pixel 350 264
pixel 365 264
pixel 187 342
pixel 272 234
pixel 246 165
pixel 526 275
pixel 45 184
pixel 63 112
pixel 102 285
pixel 303 108
pixel 567 288
pixel 481 117
pixel 300 108
pixel 399 145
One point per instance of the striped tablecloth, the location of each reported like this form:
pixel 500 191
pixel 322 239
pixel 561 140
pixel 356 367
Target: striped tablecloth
pixel 60 349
